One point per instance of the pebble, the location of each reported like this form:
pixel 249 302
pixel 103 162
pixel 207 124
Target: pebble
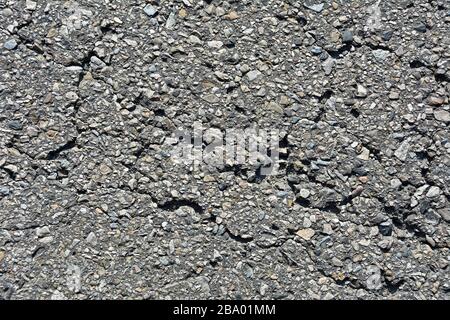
pixel 30 5
pixel 211 98
pixel 304 193
pixel 436 100
pixel 314 7
pixel 306 234
pixel 73 279
pixel 231 16
pixel 402 152
pixel 7 12
pixel 328 65
pixel 150 10
pixel 253 75
pixel 420 27
pixel 433 192
pixel 10 44
pixel 380 55
pixel 171 21
pixel 347 36
pixel 215 44
pixel 92 238
pixel 395 183
pixel 15 125
pixel 385 228
pixel 442 115
pixel 387 35
pixel 373 281
pixel 445 214
pixel 42 231
pixel 4 190
pixel 316 50
pixel 361 91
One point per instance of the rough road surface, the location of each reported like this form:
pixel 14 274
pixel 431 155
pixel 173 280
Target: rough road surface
pixel 93 207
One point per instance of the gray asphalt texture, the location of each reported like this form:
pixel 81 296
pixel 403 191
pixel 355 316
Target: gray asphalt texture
pixel 93 207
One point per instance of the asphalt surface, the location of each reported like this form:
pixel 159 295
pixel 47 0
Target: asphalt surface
pixel 93 205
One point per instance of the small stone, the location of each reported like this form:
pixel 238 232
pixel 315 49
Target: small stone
pixel 327 229
pixel 304 193
pixel 430 240
pixel 314 7
pixel 328 296
pixel 252 75
pixel 221 76
pixel 442 115
pixel 336 262
pixel 15 125
pixel 30 5
pixel 231 16
pixel 171 21
pixel 273 106
pixel 150 10
pixel 373 281
pixel 42 232
pixel 263 288
pixel 91 238
pixel 420 27
pixel 365 154
pixel 58 296
pixel 328 65
pixel 316 50
pixel 73 279
pixel 335 36
pixel 385 228
pixel 433 192
pixel 380 55
pixel 7 12
pixel 104 169
pixel 306 234
pixel 194 40
pixel 182 13
pixel 395 183
pixel 285 101
pixel 394 95
pixel 347 36
pixel 261 92
pixel 435 101
pixel 4 190
pixel 387 35
pixel 72 96
pixel 363 179
pixel 385 244
pixel 211 98
pixel 402 152
pixel 209 178
pixel 358 190
pixel 215 44
pixel 445 214
pixel 46 240
pixel 10 44
pixel 361 91
pixel 97 63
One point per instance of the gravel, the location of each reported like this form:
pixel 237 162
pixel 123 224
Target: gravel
pixel 94 206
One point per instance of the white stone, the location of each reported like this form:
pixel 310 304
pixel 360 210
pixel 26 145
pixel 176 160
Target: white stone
pixel 215 44
pixel 150 10
pixel 433 192
pixel 30 5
